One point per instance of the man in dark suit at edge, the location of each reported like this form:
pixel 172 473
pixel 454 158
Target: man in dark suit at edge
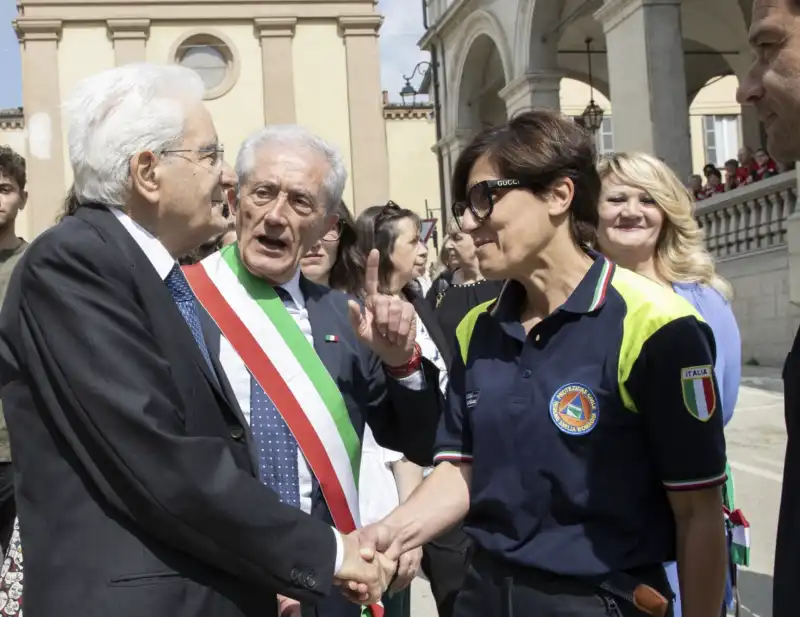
pixel 773 86
pixel 136 485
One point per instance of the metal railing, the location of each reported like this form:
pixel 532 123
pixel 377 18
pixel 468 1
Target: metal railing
pixel 748 219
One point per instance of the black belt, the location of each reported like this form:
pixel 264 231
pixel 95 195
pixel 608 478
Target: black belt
pixel 629 586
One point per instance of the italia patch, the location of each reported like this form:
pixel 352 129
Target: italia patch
pixel 697 383
pixel 472 398
pixel 574 409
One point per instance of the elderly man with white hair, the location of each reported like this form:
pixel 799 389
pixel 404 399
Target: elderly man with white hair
pixel 309 365
pixel 136 483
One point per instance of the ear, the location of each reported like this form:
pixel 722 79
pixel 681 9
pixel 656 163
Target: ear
pixel 24 196
pixel 233 201
pixel 560 197
pixel 145 176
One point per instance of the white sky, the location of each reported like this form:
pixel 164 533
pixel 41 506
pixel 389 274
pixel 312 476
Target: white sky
pixel 401 30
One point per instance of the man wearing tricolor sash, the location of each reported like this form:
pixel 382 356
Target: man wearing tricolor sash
pixel 309 366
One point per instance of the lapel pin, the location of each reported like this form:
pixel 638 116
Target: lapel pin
pixel 330 338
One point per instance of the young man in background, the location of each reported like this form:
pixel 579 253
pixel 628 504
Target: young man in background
pixel 12 200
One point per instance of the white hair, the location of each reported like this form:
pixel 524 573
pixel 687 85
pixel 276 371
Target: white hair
pixel 292 135
pixel 119 112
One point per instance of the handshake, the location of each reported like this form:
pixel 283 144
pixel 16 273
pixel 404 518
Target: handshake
pixel 374 563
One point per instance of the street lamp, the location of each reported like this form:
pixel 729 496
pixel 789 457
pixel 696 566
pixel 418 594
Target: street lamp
pixel 409 90
pixel 593 114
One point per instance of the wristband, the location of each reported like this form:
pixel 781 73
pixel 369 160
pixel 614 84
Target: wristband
pixel 409 368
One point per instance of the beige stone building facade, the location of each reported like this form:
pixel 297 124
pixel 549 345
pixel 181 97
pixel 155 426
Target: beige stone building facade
pixel 311 62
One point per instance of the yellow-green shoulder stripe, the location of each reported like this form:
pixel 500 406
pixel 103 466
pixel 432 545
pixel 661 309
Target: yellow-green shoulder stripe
pixel 649 307
pixel 467 325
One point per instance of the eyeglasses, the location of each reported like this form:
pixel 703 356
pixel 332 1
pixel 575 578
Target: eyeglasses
pixel 333 234
pixel 481 199
pixel 215 155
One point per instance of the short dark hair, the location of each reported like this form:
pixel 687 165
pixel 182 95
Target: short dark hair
pixel 539 148
pixel 376 228
pixel 12 165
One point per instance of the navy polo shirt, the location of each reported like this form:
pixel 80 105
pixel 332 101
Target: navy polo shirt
pixel 576 432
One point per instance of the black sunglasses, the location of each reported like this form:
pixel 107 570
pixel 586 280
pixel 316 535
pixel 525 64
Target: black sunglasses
pixel 481 198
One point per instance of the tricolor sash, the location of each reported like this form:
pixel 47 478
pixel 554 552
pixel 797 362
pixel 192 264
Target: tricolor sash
pixel 280 358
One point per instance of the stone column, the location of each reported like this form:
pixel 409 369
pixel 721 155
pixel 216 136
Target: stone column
pixel 129 37
pixel 370 158
pixel 647 79
pixel 42 107
pixel 277 69
pixel 535 89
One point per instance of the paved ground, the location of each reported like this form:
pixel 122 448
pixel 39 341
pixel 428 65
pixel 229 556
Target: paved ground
pixel 756 441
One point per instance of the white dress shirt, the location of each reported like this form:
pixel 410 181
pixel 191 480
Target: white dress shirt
pixel 297 309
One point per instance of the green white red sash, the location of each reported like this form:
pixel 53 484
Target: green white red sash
pixel 265 336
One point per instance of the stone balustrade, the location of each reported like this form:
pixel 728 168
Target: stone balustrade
pixel 748 219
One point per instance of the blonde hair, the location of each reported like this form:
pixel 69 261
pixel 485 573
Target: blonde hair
pixel 681 255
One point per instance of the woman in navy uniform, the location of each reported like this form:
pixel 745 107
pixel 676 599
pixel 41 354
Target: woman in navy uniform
pixel 583 439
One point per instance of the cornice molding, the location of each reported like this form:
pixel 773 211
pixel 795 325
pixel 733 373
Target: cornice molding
pixel 12 119
pixel 360 25
pixel 452 16
pixel 614 12
pixel 407 112
pixel 547 80
pixel 458 138
pixel 279 27
pixel 29 29
pixel 138 29
pixel 197 10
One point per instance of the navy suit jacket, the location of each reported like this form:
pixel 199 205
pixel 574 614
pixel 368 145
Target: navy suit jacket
pixel 401 419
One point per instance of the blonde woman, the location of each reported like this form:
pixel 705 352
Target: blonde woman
pixel 646 224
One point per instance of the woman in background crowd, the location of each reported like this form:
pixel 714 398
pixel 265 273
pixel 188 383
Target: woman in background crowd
pixel 422 281
pixel 335 260
pixel 386 478
pixel 441 273
pixel 646 225
pixel 394 231
pixel 467 287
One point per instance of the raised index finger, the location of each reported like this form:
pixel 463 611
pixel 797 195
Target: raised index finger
pixel 371 274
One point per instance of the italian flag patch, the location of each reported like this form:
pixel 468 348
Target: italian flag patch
pixel 698 391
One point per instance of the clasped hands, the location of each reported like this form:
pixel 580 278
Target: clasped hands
pixel 373 561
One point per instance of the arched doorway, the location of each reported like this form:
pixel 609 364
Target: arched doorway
pixel 482 79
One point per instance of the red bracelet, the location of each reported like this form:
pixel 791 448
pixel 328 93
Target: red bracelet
pixel 409 368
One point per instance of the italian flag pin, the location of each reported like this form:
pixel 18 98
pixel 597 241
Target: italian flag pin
pixel 330 338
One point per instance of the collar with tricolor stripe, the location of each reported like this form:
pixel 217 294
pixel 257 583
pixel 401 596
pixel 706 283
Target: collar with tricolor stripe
pixel 588 296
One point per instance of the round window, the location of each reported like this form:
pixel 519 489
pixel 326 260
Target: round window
pixel 207 61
